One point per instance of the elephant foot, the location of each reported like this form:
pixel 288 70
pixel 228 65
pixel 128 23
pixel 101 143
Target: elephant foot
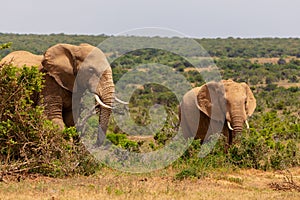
pixel 59 123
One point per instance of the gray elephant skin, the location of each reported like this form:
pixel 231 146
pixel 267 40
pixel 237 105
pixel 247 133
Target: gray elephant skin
pixel 216 107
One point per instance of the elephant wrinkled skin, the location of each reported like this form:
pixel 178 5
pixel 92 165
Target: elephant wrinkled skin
pixel 70 70
pixel 216 107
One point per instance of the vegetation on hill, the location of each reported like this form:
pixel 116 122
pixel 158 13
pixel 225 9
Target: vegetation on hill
pixel 227 47
pixel 38 44
pixel 252 47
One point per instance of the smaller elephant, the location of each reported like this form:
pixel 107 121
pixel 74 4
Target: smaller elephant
pixel 216 107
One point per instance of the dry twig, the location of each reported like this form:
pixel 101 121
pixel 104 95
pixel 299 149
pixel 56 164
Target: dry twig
pixel 288 184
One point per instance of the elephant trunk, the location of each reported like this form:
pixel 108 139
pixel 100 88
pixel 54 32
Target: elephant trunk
pixel 107 93
pixel 237 124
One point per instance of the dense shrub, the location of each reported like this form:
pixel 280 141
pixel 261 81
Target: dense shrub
pixel 28 142
pixel 272 144
pixel 122 141
pixel 262 150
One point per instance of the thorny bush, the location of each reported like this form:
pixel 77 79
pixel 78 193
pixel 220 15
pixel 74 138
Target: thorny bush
pixel 29 143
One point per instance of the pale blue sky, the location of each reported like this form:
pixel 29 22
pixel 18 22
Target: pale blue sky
pixel 195 18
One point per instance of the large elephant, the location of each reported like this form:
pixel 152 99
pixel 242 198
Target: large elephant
pixel 216 107
pixel 70 70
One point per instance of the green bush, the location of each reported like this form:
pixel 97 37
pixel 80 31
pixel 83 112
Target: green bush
pixel 5 46
pixel 191 172
pixel 28 142
pixel 273 144
pixel 122 141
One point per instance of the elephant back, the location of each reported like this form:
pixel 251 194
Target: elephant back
pixel 21 58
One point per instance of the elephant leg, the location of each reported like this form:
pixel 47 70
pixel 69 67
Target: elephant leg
pixel 68 118
pixel 189 122
pixel 228 135
pixel 208 127
pixel 59 123
pixel 52 102
pixel 204 128
pixel 53 110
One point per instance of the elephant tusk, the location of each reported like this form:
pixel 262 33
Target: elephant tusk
pixel 122 102
pixel 101 103
pixel 229 126
pixel 247 124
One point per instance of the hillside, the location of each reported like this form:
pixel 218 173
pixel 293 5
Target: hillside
pixel 229 47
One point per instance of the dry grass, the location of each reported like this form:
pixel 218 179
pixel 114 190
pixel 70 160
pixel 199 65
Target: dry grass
pixel 286 84
pixel 244 184
pixel 264 60
pixel 282 83
pixel 271 60
pixel 208 69
pixel 287 184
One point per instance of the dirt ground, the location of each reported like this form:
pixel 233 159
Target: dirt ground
pixel 109 184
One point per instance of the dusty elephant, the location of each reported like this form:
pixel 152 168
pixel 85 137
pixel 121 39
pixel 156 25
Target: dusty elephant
pixel 70 70
pixel 216 107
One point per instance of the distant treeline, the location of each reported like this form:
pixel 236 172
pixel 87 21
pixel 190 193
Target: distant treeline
pixel 219 47
pixel 38 44
pixel 252 48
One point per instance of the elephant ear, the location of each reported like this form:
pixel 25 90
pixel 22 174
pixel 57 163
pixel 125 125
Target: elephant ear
pixel 251 101
pixel 211 100
pixel 60 61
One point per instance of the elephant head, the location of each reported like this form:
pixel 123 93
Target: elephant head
pixel 229 102
pixel 216 107
pixel 77 68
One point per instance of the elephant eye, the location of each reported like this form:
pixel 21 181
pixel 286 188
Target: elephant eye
pixel 91 70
